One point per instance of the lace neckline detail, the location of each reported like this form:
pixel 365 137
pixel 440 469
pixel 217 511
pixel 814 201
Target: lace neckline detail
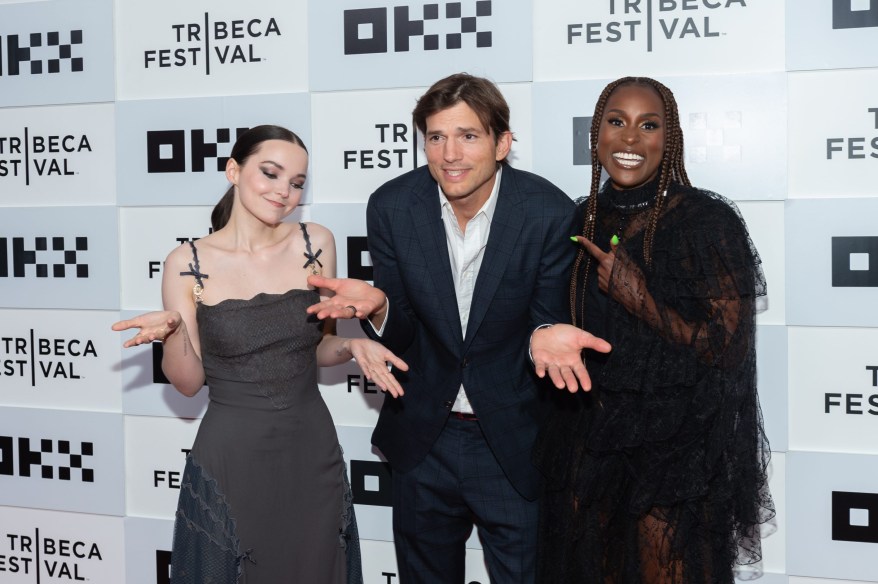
pixel 634 200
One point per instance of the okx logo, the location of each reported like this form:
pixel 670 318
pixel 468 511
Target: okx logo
pixel 169 150
pixel 371 483
pixel 40 53
pixel 854 13
pixel 62 261
pixel 855 262
pixel 582 141
pixel 46 458
pixel 436 26
pixel 855 517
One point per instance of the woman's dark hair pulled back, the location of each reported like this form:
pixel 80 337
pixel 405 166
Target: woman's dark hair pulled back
pixel 246 144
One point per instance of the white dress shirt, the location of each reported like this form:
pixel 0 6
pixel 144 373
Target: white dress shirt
pixel 466 249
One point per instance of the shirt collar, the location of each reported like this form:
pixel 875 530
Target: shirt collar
pixel 490 205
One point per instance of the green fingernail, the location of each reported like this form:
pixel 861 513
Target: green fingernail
pixel 573 239
pixel 614 240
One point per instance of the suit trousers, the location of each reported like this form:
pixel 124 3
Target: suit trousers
pixel 458 485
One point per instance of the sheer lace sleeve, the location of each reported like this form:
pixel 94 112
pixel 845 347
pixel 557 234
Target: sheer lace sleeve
pixel 702 291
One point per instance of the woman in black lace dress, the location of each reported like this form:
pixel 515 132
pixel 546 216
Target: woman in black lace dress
pixel 657 475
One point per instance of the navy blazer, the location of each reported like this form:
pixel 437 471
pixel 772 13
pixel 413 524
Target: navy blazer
pixel 523 282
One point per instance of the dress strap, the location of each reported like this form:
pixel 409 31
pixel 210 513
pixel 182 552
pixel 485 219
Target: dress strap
pixel 195 270
pixel 315 264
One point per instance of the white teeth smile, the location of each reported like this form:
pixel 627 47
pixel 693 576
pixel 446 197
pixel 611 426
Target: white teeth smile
pixel 454 172
pixel 628 159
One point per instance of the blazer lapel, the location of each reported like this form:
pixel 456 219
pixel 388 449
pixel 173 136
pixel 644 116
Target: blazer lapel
pixel 506 226
pixel 430 233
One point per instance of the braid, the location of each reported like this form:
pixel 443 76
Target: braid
pixel 592 204
pixel 672 169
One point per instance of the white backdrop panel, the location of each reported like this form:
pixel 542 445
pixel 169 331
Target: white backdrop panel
pixel 834 34
pixel 210 47
pixel 835 403
pixel 724 118
pixel 834 153
pixel 766 578
pixel 771 372
pixel 148 550
pixel 351 399
pixel 155 455
pixel 49 547
pixel 347 222
pixel 145 390
pixel 379 564
pixel 59 257
pixel 588 40
pixel 174 152
pixel 833 515
pixel 59 359
pixel 832 262
pixel 147 236
pixel 765 222
pixel 57 156
pixel 357 44
pixel 62 460
pixel 798 580
pixel 378 143
pixel 56 52
pixel 370 478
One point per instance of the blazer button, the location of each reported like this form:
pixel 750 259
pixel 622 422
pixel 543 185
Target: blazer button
pixel 448 404
pixel 465 363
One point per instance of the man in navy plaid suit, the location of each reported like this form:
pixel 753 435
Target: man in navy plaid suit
pixel 470 257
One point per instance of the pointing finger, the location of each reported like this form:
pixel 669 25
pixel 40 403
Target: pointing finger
pixel 591 248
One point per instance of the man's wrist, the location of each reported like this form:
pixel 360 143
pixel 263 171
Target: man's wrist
pixel 530 342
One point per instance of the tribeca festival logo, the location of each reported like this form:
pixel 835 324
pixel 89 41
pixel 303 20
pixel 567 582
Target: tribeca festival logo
pixel 35 359
pixel 856 404
pixel 40 53
pixel 167 151
pixel 200 45
pixel 33 156
pixel 47 559
pixel 397 148
pixel 855 147
pixel 370 30
pixel 854 13
pixel 651 21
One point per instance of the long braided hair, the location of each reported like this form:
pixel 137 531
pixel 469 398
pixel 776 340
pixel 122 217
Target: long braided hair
pixel 672 169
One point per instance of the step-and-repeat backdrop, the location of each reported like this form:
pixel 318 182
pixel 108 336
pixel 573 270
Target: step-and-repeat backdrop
pixel 116 119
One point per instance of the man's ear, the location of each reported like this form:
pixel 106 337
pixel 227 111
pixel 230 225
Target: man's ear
pixel 504 145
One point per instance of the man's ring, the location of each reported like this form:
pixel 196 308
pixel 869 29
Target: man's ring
pixel 353 309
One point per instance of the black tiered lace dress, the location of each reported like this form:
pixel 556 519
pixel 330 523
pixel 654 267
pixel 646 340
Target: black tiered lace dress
pixel 264 497
pixel 659 474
